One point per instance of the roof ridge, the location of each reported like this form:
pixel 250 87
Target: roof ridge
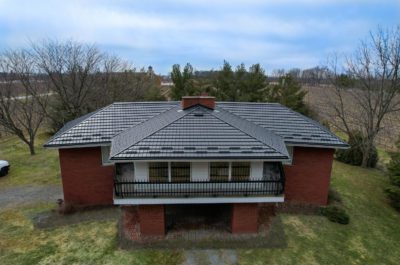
pixel 167 123
pixel 249 103
pixel 146 102
pixel 270 144
pixel 143 121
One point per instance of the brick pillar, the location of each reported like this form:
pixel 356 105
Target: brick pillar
pixel 244 218
pixel 152 220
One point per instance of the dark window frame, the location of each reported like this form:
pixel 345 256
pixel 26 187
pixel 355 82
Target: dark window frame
pixel 240 171
pixel 180 171
pixel 158 171
pixel 216 171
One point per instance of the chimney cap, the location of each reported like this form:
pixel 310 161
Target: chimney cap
pixel 206 101
pixel 190 97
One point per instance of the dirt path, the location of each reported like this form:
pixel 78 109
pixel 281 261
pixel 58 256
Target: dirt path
pixel 10 196
pixel 212 257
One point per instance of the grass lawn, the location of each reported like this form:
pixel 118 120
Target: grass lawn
pixel 39 169
pixel 372 237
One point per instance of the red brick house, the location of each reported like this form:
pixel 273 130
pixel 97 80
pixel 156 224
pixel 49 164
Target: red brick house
pixel 198 151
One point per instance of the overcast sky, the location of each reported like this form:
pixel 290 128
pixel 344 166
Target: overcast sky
pixel 277 34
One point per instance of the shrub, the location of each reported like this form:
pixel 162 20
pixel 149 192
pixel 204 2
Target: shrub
pixel 393 193
pixel 334 196
pixel 354 154
pixel 395 180
pixel 335 214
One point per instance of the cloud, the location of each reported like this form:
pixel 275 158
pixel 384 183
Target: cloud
pixel 281 33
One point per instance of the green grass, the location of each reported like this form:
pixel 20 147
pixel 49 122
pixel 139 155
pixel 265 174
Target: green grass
pixel 372 237
pixel 86 243
pixel 39 169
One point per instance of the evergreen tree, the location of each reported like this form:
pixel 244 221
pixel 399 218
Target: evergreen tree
pixel 254 86
pixel 224 83
pixel 183 82
pixel 393 191
pixel 241 84
pixel 239 81
pixel 288 92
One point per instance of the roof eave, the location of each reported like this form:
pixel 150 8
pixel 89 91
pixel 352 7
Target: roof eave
pixel 169 158
pixel 83 145
pixel 318 145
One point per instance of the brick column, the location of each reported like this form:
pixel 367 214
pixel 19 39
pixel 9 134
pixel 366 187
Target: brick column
pixel 244 218
pixel 307 180
pixel 152 220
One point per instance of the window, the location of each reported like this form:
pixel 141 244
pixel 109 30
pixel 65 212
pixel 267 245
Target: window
pixel 240 171
pixel 271 171
pixel 158 171
pixel 125 171
pixel 105 155
pixel 219 171
pixel 180 171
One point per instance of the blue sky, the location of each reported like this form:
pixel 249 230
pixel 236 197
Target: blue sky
pixel 277 34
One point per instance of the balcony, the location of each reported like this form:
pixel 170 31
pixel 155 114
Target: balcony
pixel 270 184
pixel 137 189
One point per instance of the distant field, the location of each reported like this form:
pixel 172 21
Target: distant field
pixel 318 98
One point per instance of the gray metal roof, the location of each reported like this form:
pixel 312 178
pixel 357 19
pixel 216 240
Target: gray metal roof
pixel 99 127
pixel 103 125
pixel 293 127
pixel 197 133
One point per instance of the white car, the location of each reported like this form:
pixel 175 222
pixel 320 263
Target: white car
pixel 4 167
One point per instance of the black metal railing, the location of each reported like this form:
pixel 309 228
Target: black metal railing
pixel 137 189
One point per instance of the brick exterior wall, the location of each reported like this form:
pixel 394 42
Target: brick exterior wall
pixel 244 218
pixel 307 180
pixel 152 220
pixel 85 180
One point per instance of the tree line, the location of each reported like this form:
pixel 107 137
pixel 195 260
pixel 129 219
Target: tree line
pixel 239 84
pixel 54 82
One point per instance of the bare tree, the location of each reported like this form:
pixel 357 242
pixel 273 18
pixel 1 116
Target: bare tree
pixel 72 69
pixel 295 73
pixel 368 88
pixel 278 72
pixel 119 81
pixel 21 86
pixel 82 79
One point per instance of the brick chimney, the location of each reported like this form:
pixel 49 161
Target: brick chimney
pixel 206 101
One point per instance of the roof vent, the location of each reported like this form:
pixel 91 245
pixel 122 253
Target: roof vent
pixel 198 114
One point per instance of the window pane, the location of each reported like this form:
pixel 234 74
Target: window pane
pixel 219 171
pixel 240 171
pixel 271 171
pixel 180 171
pixel 125 171
pixel 158 171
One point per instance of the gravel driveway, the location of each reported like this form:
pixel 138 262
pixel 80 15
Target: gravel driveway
pixel 11 196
